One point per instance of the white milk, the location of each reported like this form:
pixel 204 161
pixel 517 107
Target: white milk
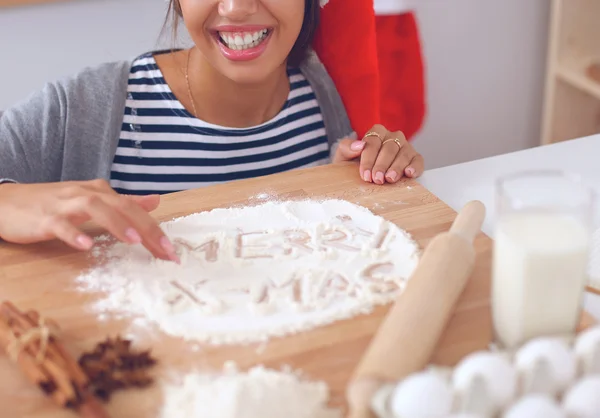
pixel 539 275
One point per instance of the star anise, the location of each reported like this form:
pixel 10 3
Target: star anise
pixel 114 365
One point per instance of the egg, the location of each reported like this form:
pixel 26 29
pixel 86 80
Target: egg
pixel 583 399
pixel 485 382
pixel 422 394
pixel 546 365
pixel 587 350
pixel 535 406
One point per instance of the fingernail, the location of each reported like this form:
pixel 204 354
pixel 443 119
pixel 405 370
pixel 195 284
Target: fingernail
pixel 410 171
pixel 84 242
pixel 169 249
pixel 357 145
pixel 367 175
pixel 133 236
pixel 379 178
pixel 391 175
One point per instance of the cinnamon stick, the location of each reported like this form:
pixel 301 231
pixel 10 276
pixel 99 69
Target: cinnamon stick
pixel 57 374
pixel 52 362
pixel 34 373
pixel 72 366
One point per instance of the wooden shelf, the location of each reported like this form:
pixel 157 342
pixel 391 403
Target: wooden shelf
pixel 575 74
pixel 572 96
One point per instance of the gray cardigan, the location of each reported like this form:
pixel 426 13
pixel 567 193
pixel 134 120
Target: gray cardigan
pixel 70 129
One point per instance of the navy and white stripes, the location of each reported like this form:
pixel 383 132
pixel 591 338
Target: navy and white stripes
pixel 163 148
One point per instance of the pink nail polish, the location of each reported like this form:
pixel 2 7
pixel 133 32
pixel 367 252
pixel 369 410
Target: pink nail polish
pixel 379 178
pixel 367 176
pixel 357 146
pixel 392 175
pixel 84 242
pixel 410 171
pixel 133 236
pixel 169 249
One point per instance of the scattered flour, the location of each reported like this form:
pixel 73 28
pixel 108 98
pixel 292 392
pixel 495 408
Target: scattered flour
pixel 251 273
pixel 259 393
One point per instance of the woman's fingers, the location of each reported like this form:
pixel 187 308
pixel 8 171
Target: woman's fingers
pixel 64 230
pixel 127 218
pixel 386 156
pixel 148 202
pixel 152 236
pixel 348 150
pixel 104 215
pixel 130 222
pixel 392 147
pixel 401 164
pixel 416 166
pixel 373 144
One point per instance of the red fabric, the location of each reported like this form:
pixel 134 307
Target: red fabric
pixel 401 73
pixel 346 44
pixel 375 63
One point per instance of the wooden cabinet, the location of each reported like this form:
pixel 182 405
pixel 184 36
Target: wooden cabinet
pixel 572 92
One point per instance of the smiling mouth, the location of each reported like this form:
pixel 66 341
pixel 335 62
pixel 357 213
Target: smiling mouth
pixel 239 41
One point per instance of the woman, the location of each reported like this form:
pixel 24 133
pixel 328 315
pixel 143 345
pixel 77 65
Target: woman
pixel 246 100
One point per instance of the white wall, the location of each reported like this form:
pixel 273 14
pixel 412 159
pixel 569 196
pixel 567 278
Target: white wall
pixel 485 62
pixel 42 43
pixel 485 68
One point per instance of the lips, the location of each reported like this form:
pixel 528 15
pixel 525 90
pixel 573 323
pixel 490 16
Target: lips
pixel 242 40
pixel 245 43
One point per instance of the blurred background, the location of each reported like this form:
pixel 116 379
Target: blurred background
pixel 487 61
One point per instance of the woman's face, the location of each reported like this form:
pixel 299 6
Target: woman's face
pixel 245 40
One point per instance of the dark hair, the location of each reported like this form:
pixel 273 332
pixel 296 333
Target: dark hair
pixel 303 43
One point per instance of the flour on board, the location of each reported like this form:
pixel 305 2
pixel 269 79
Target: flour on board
pixel 251 273
pixel 258 393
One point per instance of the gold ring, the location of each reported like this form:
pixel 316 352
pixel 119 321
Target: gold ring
pixel 375 134
pixel 396 140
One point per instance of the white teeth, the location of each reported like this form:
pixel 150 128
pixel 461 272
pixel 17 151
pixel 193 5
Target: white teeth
pixel 245 40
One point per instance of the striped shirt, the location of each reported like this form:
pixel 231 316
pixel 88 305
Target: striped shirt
pixel 163 148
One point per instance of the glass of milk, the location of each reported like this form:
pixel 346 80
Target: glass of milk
pixel 542 239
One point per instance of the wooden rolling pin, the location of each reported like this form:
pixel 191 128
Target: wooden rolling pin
pixel 408 336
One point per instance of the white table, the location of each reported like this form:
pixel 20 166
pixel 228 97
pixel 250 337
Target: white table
pixel 458 184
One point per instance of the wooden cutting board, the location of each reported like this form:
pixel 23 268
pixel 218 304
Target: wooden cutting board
pixel 42 276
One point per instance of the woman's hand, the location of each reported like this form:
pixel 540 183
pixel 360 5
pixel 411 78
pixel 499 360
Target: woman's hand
pixel 384 156
pixel 39 212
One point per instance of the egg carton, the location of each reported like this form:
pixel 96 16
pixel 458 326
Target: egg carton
pixel 544 378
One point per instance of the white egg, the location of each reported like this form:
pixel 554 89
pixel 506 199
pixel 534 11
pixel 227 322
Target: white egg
pixel 498 382
pixel 422 394
pixel 535 406
pixel 583 399
pixel 587 349
pixel 546 365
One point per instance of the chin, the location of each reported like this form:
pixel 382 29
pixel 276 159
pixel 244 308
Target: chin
pixel 249 74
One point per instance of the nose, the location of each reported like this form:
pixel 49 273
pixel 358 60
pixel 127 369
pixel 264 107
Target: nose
pixel 237 9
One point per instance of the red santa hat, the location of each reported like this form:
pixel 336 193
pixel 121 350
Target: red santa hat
pixel 371 49
pixel 346 45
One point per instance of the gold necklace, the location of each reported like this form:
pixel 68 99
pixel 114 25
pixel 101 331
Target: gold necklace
pixel 187 83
